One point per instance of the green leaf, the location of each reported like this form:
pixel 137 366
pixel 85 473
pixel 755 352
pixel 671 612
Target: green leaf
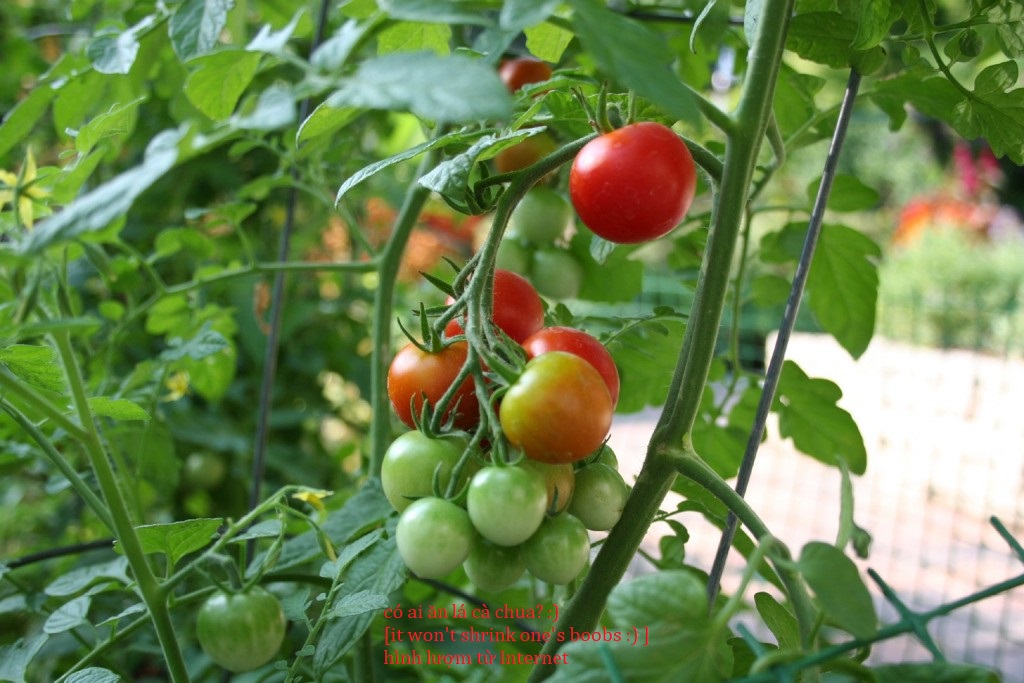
pixel 874 18
pixel 646 351
pixel 68 616
pixel 99 208
pixel 451 176
pixel 117 408
pixel 615 278
pixel 438 11
pixel 443 89
pixel 843 286
pixel 927 92
pixel 664 634
pixel 779 620
pixel 274 42
pixel 16 657
pixel 115 53
pixel 409 36
pixel 196 25
pixel 547 41
pixel 116 121
pixel 93 674
pixel 517 15
pixel 1008 18
pixel 205 343
pixel 848 193
pixel 827 38
pixel 795 104
pixel 275 108
pixel 360 602
pixel 378 572
pixel 178 539
pixel 325 120
pixel 751 19
pixel 216 81
pixel 633 56
pixel 378 166
pixel 19 121
pixel 809 414
pixel 934 672
pixel 335 51
pixel 995 111
pixel 37 365
pixel 80 578
pixel 268 528
pixel 837 584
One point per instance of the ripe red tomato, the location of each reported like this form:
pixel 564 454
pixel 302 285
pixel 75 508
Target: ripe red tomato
pixel 241 631
pixel 634 184
pixel 558 410
pixel 581 344
pixel 519 71
pixel 518 309
pixel 415 374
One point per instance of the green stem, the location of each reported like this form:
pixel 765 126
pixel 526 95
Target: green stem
pixel 383 307
pixel 152 593
pixel 61 463
pixel 13 386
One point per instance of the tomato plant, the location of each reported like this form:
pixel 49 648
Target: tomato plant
pixel 579 343
pixel 408 469
pixel 540 217
pixel 492 567
pixel 559 551
pixel 241 631
pixel 633 184
pixel 416 375
pixel 519 71
pixel 506 504
pixel 434 537
pixel 558 410
pixel 599 496
pixel 518 309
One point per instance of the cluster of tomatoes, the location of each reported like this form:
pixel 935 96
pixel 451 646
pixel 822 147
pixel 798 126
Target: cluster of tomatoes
pixel 507 517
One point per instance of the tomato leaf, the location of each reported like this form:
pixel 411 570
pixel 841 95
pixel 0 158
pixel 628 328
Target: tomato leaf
pixel 410 36
pixel 547 41
pixel 378 572
pixel 848 193
pixel 80 578
pixel 633 56
pixel 436 88
pixel 1007 16
pixel 93 674
pixel 36 365
pixel 196 25
pixel 206 342
pixel 645 351
pixel 217 80
pixel 809 414
pixel 874 18
pixel 68 616
pixel 19 121
pixel 360 602
pixel 665 632
pixel 177 539
pixel 926 91
pixel 519 14
pixel 837 584
pixel 995 111
pixel 16 657
pixel 779 620
pixel 828 38
pixel 117 408
pixel 437 11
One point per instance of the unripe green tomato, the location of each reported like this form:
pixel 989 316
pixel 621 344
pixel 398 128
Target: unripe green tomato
pixel 506 504
pixel 560 479
pixel 541 217
pixel 556 273
pixel 606 456
pixel 407 470
pixel 559 551
pixel 599 497
pixel 203 470
pixel 492 567
pixel 434 536
pixel 242 631
pixel 513 255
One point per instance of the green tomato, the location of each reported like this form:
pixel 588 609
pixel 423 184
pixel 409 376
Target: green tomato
pixel 541 217
pixel 559 551
pixel 407 470
pixel 559 478
pixel 203 470
pixel 513 255
pixel 556 273
pixel 506 504
pixel 492 567
pixel 600 495
pixel 434 536
pixel 241 631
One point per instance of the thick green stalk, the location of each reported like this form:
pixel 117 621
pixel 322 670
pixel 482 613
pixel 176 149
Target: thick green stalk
pixel 658 473
pixel 152 593
pixel 383 307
